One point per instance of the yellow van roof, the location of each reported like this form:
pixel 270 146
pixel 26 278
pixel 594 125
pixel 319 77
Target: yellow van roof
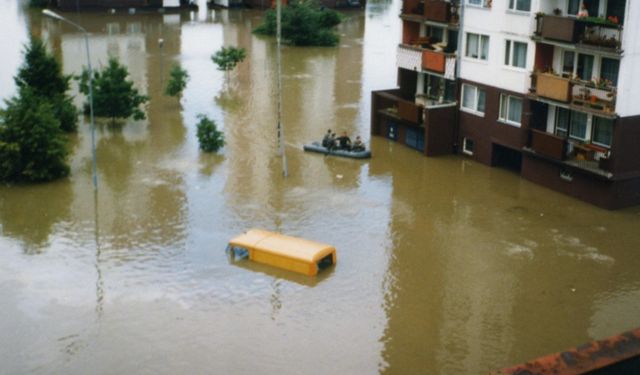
pixel 288 246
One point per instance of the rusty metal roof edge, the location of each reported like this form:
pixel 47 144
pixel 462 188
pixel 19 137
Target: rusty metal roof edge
pixel 591 356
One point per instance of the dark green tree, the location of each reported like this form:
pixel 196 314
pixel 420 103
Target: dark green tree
pixel 304 23
pixel 33 148
pixel 43 74
pixel 228 57
pixel 113 95
pixel 177 82
pixel 209 137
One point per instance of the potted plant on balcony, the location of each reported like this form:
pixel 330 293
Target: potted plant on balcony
pixel 604 162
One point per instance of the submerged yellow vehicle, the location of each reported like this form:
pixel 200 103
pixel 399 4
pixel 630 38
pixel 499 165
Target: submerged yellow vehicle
pixel 287 252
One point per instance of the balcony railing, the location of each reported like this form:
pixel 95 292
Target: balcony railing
pixel 392 104
pixel 596 98
pixel 432 10
pixel 549 145
pixel 580 95
pixel 598 32
pixel 418 58
pixel 553 87
pixel 585 156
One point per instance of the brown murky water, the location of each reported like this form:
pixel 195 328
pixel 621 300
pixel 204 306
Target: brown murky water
pixel 445 266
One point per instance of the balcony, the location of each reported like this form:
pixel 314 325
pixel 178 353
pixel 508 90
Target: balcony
pixel 418 58
pixel 553 87
pixel 598 97
pixel 431 10
pixel 391 104
pixel 590 32
pixel 584 156
pixel 594 99
pixel 547 144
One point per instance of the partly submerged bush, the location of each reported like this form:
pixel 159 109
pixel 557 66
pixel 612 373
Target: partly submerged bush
pixel 210 138
pixel 304 24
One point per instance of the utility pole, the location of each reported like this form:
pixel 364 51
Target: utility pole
pixel 280 128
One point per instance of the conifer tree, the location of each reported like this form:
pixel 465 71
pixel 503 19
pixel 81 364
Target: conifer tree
pixel 33 148
pixel 43 74
pixel 114 96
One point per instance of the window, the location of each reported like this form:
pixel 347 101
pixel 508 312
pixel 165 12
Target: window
pixel 609 70
pixel 585 67
pixel 473 99
pixel 515 54
pixel 578 126
pixel 568 60
pixel 435 34
pixel 510 109
pixel 467 146
pixel 480 3
pixel 477 46
pixel 574 7
pixel 562 121
pixel 602 131
pixel 520 5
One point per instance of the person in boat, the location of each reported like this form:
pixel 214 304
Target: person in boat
pixel 344 142
pixel 326 141
pixel 332 143
pixel 358 145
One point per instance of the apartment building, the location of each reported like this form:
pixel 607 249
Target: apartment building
pixel 543 87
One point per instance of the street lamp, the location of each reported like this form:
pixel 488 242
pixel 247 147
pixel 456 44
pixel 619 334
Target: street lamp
pixel 51 14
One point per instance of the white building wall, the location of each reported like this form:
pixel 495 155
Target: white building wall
pixel 500 24
pixel 629 80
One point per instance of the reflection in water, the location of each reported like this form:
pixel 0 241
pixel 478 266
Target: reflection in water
pixel 445 266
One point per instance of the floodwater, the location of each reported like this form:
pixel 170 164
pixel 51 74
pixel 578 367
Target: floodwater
pixel 445 266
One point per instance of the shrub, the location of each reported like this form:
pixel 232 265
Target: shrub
pixel 228 57
pixel 177 82
pixel 210 138
pixel 304 24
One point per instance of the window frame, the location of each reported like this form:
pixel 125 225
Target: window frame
pixel 476 100
pixel 503 115
pixel 587 130
pixel 512 6
pixel 510 51
pixel 482 40
pixel 594 125
pixel 482 4
pixel 465 150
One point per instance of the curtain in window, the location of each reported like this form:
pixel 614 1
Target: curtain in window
pixel 507 52
pixel 593 6
pixel 567 63
pixel 481 99
pixel 515 109
pixel 602 131
pixel 609 70
pixel 485 47
pixel 519 54
pixel 574 6
pixel 585 67
pixel 562 121
pixel 468 96
pixel 472 45
pixel 578 128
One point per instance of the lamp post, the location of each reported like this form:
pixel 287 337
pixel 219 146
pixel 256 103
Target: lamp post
pixel 51 14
